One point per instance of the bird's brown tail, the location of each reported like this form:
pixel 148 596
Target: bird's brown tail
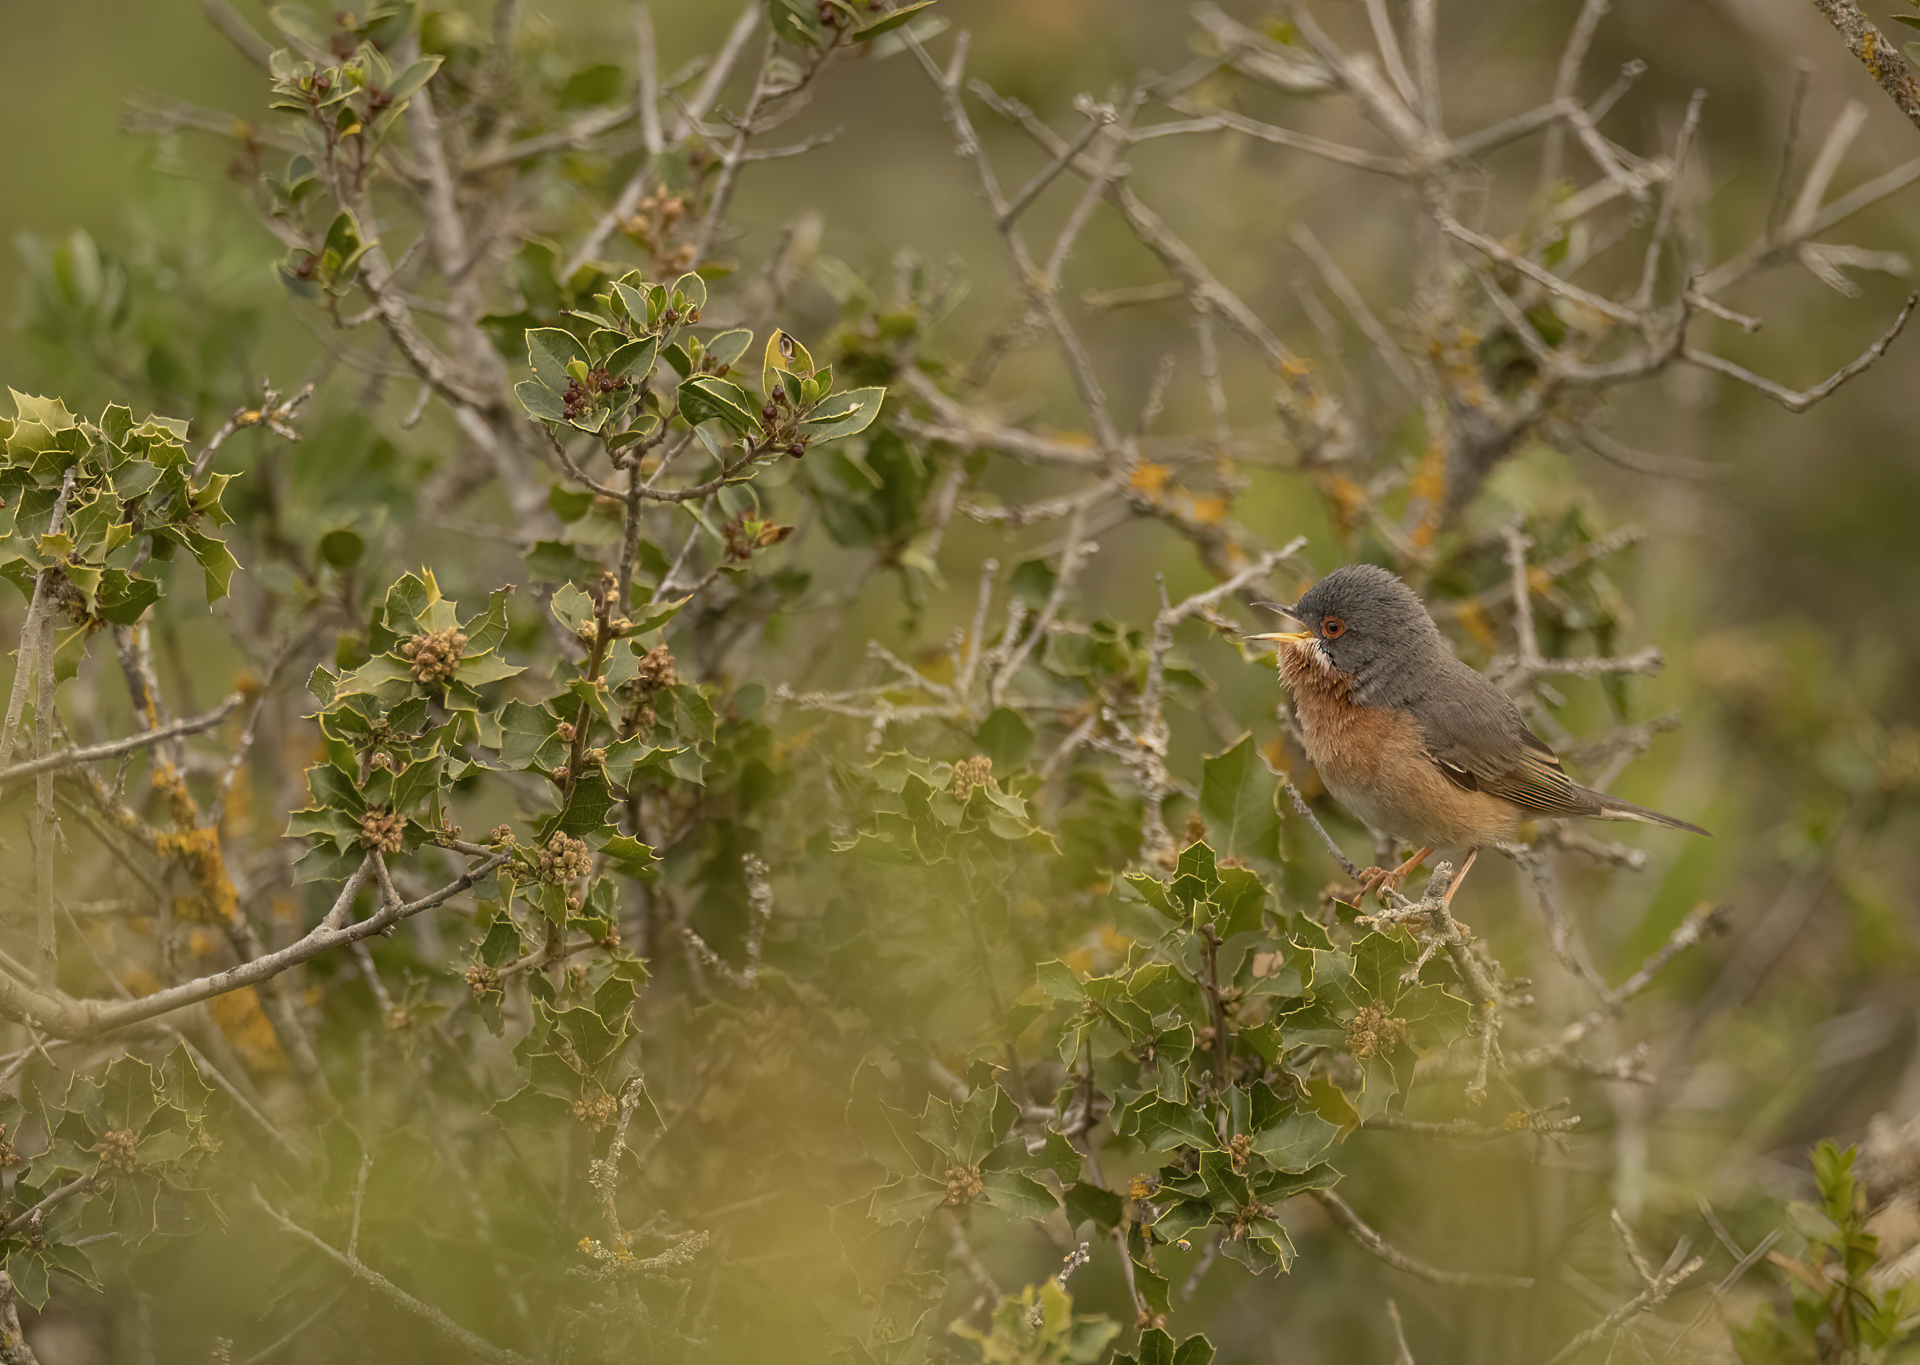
pixel 1613 808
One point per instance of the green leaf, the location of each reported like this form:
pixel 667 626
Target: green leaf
pixel 907 1199
pixel 587 806
pixel 324 863
pixel 479 670
pixel 549 351
pixel 601 84
pixel 1195 1350
pixel 634 361
pixel 343 247
pixel 728 347
pixel 784 355
pixel 1057 979
pixel 342 547
pixel 892 21
pixel 1237 903
pixel 1237 800
pixel 706 396
pixel 843 414
pixel 639 307
pixel 1085 1202
pixel 502 943
pixel 553 561
pixel 123 598
pixel 216 561
pixel 1160 1124
pixel 1020 1195
pixel 573 608
pixel 530 737
pixel 409 81
pixel 629 856
pixel 1298 1141
pixel 540 401
pixel 1005 737
pixel 689 291
pixel 1154 892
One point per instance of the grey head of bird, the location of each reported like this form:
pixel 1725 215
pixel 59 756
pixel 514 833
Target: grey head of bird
pixel 1364 622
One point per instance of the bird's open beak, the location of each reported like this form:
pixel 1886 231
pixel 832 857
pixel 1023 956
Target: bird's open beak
pixel 1294 638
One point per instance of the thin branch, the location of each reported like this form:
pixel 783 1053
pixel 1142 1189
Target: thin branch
pixel 272 413
pixel 63 1016
pixel 1669 195
pixel 1377 1246
pixel 1337 152
pixel 46 823
pixel 1300 805
pixel 1423 31
pixel 647 72
pixel 1370 327
pixel 23 668
pixel 1659 1288
pixel 1826 164
pixel 1691 930
pixel 82 1185
pixel 690 114
pixel 66 758
pixel 1526 642
pixel 1801 399
pixel 1098 116
pixel 298 1329
pixel 1078 550
pixel 1803 70
pixel 1501 252
pixel 1404 1354
pixel 1040 291
pixel 453 1331
pixel 1875 51
pixel 239 32
pixel 1644 462
pixel 1566 81
pixel 576 134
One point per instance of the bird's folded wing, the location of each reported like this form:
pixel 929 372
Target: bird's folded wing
pixel 1493 751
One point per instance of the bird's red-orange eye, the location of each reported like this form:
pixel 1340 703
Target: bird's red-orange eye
pixel 1332 627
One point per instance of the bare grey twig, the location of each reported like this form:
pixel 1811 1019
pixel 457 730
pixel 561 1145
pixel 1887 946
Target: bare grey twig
pixel 1378 1247
pixel 387 1289
pixel 1876 52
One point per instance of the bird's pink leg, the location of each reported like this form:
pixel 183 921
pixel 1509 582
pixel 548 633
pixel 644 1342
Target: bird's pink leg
pixel 1375 878
pixel 1459 877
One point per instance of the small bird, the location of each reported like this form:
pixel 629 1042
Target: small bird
pixel 1414 742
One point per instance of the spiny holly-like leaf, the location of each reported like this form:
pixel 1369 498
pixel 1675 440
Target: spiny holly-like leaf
pixel 629 856
pixel 1237 794
pixel 1020 1195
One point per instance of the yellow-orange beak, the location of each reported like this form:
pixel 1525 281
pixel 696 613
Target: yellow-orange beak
pixel 1294 637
